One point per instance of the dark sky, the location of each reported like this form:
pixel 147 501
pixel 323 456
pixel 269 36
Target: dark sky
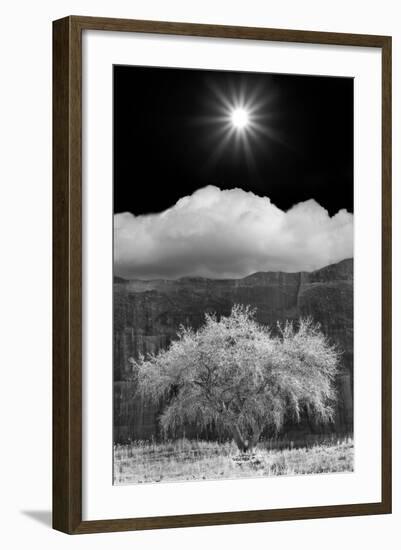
pixel 168 137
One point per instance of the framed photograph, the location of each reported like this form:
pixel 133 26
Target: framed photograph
pixel 222 274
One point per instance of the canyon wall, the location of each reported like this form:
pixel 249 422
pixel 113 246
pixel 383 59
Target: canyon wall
pixel 147 315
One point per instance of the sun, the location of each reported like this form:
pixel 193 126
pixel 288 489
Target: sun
pixel 239 118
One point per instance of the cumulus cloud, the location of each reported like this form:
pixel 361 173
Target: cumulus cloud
pixel 231 233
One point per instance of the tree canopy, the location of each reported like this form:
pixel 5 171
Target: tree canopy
pixel 235 373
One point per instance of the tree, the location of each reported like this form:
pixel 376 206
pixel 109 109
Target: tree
pixel 234 373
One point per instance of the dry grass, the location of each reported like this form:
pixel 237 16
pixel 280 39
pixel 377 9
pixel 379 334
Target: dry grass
pixel 185 460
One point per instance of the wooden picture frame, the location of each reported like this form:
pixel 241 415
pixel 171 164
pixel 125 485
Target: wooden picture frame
pixel 67 274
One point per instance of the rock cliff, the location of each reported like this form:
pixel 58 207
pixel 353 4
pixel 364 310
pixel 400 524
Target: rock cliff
pixel 147 315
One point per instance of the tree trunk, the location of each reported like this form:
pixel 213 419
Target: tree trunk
pixel 242 443
pixel 255 437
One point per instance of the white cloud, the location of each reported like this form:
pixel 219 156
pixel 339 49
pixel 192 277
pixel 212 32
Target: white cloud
pixel 231 233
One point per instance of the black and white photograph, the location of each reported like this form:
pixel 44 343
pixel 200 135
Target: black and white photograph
pixel 233 229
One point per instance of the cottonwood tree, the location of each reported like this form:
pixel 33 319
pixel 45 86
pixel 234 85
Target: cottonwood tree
pixel 233 372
